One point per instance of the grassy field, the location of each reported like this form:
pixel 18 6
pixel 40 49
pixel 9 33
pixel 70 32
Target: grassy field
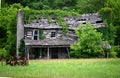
pixel 64 68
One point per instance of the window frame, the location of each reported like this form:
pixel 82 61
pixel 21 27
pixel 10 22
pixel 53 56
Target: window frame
pixel 53 34
pixel 35 35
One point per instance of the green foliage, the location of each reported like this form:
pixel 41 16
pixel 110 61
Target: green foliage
pixel 26 8
pixel 113 53
pixel 3 36
pixel 81 6
pixel 3 29
pixel 3 53
pixel 114 5
pixel 41 35
pixel 89 6
pixel 109 32
pixel 22 47
pixel 75 54
pixel 45 4
pixel 89 42
pixel 111 13
pixel 117 50
pixel 106 13
pixel 8 23
pixel 37 5
pixel 59 15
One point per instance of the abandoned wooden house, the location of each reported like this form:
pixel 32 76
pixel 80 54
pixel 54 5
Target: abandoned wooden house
pixel 46 40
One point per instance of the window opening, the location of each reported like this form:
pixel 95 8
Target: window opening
pixel 35 34
pixel 53 34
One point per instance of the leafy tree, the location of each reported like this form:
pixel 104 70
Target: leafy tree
pixel 89 6
pixel 8 24
pixel 45 4
pixel 3 36
pixel 88 43
pixel 111 13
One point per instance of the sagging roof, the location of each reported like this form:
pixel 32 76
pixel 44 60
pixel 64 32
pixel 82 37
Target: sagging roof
pixel 72 22
pixel 49 42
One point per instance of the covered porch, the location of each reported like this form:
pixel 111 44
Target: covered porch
pixel 47 52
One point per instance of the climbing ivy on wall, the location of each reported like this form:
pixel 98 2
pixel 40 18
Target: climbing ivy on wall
pixel 41 35
pixel 59 15
pixel 22 47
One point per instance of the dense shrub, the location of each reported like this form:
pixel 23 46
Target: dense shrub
pixel 88 44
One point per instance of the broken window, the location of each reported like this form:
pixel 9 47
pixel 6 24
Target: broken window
pixel 99 21
pixel 36 35
pixel 84 22
pixel 53 34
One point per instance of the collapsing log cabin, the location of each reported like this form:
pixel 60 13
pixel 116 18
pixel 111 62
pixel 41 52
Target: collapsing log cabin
pixel 46 40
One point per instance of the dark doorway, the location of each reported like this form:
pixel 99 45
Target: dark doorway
pixel 54 53
pixel 36 53
pixel 44 52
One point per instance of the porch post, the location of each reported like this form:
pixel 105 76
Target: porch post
pixel 40 53
pixel 48 54
pixel 27 51
pixel 68 52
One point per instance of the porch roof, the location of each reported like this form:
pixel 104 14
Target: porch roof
pixel 49 42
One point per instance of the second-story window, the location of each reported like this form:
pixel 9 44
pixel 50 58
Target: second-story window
pixel 29 34
pixel 35 35
pixel 53 34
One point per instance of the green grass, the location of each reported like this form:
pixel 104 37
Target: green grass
pixel 64 68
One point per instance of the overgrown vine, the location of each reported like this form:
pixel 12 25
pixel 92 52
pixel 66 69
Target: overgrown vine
pixel 59 15
pixel 41 35
pixel 22 47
